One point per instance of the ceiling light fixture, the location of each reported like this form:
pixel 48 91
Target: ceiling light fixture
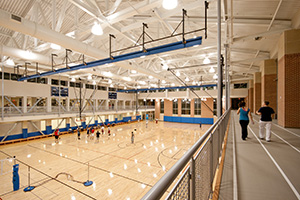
pixel 165 66
pixel 206 60
pixel 215 76
pixel 127 78
pixel 133 71
pixel 169 4
pixel 177 73
pixel 151 77
pixel 194 83
pixel 109 81
pixel 10 62
pixel 97 29
pixel 212 70
pixel 163 81
pixel 187 79
pixel 173 84
pixel 94 82
pixel 89 77
pixel 55 46
pixel 109 74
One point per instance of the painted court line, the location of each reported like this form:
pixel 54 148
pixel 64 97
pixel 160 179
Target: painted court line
pixel 284 141
pixel 287 130
pixel 278 167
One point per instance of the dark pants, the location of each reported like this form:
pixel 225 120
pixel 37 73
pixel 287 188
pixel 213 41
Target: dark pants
pixel 244 124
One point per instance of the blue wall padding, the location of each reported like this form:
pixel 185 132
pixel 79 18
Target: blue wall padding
pixel 192 120
pixel 48 130
pixel 25 132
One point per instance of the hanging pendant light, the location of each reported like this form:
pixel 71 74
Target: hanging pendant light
pixel 169 4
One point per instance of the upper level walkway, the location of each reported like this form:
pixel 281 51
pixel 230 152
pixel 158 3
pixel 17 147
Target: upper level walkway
pixel 258 170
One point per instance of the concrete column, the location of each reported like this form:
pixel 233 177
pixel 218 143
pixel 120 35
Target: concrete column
pixel 250 96
pixel 289 79
pixel 48 126
pixel 68 104
pixel 124 104
pixel 48 104
pixel 257 91
pixel 192 107
pixel 207 108
pixel 269 83
pixel 25 129
pixel 24 105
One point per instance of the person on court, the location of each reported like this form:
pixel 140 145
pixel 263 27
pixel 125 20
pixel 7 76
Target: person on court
pixel 244 119
pixel 97 135
pixel 56 135
pixel 265 121
pixel 88 132
pixel 102 130
pixel 78 133
pixel 132 137
pixel 108 130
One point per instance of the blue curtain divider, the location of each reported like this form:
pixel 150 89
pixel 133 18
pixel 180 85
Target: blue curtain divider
pixel 192 120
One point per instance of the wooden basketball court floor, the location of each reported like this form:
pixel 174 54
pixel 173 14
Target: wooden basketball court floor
pixel 118 169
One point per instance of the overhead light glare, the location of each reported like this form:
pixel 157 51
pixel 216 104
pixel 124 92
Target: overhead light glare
pixel 163 81
pixel 10 62
pixel 151 77
pixel 169 4
pixel 206 60
pixel 173 84
pixel 94 82
pixel 215 76
pixel 212 70
pixel 73 79
pixel 177 73
pixel 187 79
pixel 89 77
pixel 133 71
pixel 97 29
pixel 127 78
pixel 109 74
pixel 55 46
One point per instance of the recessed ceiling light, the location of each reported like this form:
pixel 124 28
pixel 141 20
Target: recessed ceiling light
pixel 169 4
pixel 97 29
pixel 55 46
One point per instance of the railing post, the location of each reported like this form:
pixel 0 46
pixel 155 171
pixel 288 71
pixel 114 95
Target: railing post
pixel 192 179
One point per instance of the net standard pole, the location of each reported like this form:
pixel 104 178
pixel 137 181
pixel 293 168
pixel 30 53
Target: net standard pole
pixel 220 89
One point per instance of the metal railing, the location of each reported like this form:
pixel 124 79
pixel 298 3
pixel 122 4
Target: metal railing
pixel 196 169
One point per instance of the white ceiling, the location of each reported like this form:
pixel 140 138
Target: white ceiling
pixel 242 22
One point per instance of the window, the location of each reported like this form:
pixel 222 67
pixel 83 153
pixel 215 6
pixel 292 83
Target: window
pixel 162 107
pixel 240 85
pixel 72 84
pixel 215 106
pixel 6 75
pixel 42 80
pixel 15 77
pixel 175 107
pixel 161 90
pixel 32 80
pixel 171 90
pixel 185 107
pixel 182 89
pixel 89 86
pixel 197 106
pixel 101 88
pixel 111 89
pixel 54 82
pixel 63 83
pixel 78 85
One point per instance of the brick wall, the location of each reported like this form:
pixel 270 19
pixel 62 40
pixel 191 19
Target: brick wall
pixel 192 107
pixel 250 99
pixel 179 107
pixel 269 90
pixel 168 109
pixel 157 109
pixel 289 90
pixel 257 96
pixel 205 111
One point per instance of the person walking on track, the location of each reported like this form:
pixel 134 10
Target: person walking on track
pixel 244 119
pixel 265 121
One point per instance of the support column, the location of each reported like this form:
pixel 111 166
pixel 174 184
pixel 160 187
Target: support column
pixel 157 109
pixel 68 123
pixel 250 96
pixel 289 79
pixel 48 126
pixel 25 129
pixel 179 107
pixel 24 105
pixel 68 104
pixel 207 111
pixel 269 83
pixel 49 104
pixel 257 91
pixel 192 106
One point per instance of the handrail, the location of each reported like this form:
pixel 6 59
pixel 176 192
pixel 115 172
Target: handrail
pixel 158 190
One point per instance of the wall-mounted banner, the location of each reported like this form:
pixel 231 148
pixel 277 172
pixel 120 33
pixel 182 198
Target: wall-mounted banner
pixel 64 92
pixel 112 95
